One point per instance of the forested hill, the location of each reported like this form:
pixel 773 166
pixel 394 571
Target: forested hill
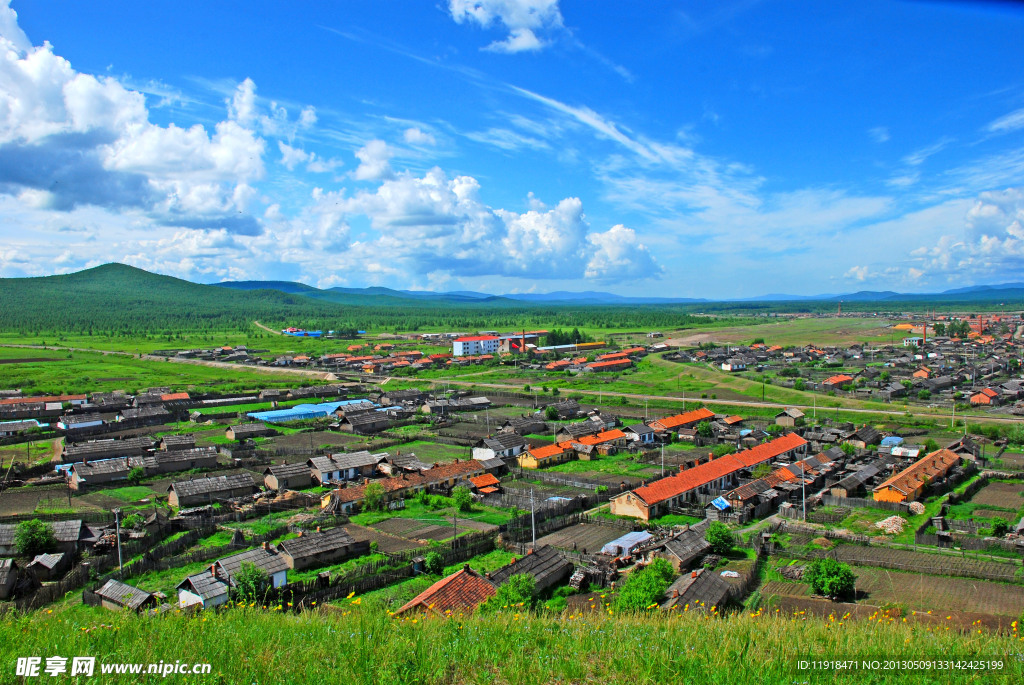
pixel 120 299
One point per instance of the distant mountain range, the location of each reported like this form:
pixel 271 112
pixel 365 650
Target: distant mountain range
pixel 977 293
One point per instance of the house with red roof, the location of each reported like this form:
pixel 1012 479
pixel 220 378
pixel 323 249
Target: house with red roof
pixel 548 455
pixel 461 592
pixel 657 498
pixel 985 397
pixel 836 382
pixel 680 421
pixel 610 365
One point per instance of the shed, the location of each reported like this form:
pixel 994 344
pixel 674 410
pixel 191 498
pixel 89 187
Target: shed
pixel 624 546
pixel 544 563
pixel 116 595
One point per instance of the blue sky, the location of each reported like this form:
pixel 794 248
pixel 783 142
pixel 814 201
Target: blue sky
pixel 685 149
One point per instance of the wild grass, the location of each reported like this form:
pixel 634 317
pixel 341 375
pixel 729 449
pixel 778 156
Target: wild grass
pixel 363 644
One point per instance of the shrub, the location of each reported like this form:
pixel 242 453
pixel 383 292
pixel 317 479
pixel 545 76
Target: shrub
pixel 645 586
pixel 514 595
pixel 799 384
pixel 1000 528
pixel 133 521
pixel 551 414
pixel 463 498
pixel 136 475
pixel 433 563
pixel 251 582
pixel 704 429
pixel 830 578
pixel 719 537
pixel 373 497
pixel 34 537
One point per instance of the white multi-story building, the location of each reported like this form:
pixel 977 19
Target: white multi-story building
pixel 473 345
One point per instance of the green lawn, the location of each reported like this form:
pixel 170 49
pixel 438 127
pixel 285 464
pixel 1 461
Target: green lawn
pixel 130 493
pixel 414 509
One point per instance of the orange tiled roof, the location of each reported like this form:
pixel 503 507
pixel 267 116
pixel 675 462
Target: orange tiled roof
pixel 547 450
pixel 927 467
pixel 174 397
pixel 683 419
pixel 666 488
pixel 46 398
pixel 606 436
pixel 485 480
pixel 465 589
pixel 838 379
pixel 613 362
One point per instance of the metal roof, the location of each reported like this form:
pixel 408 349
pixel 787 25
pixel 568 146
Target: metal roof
pixel 123 594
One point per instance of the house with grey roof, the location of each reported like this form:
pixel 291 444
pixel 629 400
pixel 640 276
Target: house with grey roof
pixel 116 596
pixel 264 558
pixel 178 442
pixel 202 589
pixel 247 431
pixel 288 476
pixel 501 446
pixel 188 493
pixel 545 564
pixel 47 567
pixel 321 548
pixel 343 467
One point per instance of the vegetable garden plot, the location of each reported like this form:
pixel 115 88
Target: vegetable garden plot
pixel 587 536
pixel 1005 495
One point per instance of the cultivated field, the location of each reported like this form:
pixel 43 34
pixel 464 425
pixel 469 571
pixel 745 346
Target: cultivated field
pixel 1003 495
pixel 589 537
pixel 921 592
pixel 922 562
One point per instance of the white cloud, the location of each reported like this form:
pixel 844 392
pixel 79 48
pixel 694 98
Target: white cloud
pixel 415 136
pixel 519 40
pixel 374 164
pixel 10 30
pixel 435 224
pixel 1007 123
pixel 291 156
pixel 918 157
pixel 307 117
pixel 522 18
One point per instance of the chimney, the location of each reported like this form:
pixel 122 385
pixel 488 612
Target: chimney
pixel 530 551
pixel 265 545
pixel 675 593
pixel 300 534
pixel 513 560
pixel 318 529
pixel 213 570
pixel 693 574
pixel 465 567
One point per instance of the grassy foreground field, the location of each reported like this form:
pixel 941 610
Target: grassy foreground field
pixel 357 644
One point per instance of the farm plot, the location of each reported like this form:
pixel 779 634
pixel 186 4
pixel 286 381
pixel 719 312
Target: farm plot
pixel 921 562
pixel 28 500
pixel 387 544
pixel 921 592
pixel 992 513
pixel 300 442
pixel 587 537
pixel 1002 495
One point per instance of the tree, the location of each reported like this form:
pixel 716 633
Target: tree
pixel 373 497
pixel 830 578
pixel 704 429
pixel 136 475
pixel 551 414
pixel 251 582
pixel 761 470
pixel 34 537
pixel 930 446
pixel 884 376
pixel 1000 528
pixel 133 521
pixel 848 449
pixel 799 384
pixel 645 586
pixel 924 395
pixel 719 537
pixel 433 563
pixel 462 498
pixel 514 595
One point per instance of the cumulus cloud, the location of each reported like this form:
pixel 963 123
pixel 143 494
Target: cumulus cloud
pixel 291 156
pixel 374 164
pixel 990 245
pixel 522 19
pixel 69 139
pixel 436 224
pixel 415 136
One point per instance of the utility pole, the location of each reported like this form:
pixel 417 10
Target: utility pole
pixel 117 529
pixel 533 518
pixel 803 489
pixel 662 460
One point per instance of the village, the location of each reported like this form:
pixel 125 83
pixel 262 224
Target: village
pixel 431 499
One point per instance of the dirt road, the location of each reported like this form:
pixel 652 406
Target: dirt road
pixel 268 329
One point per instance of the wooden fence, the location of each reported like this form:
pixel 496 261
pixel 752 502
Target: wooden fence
pixel 860 502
